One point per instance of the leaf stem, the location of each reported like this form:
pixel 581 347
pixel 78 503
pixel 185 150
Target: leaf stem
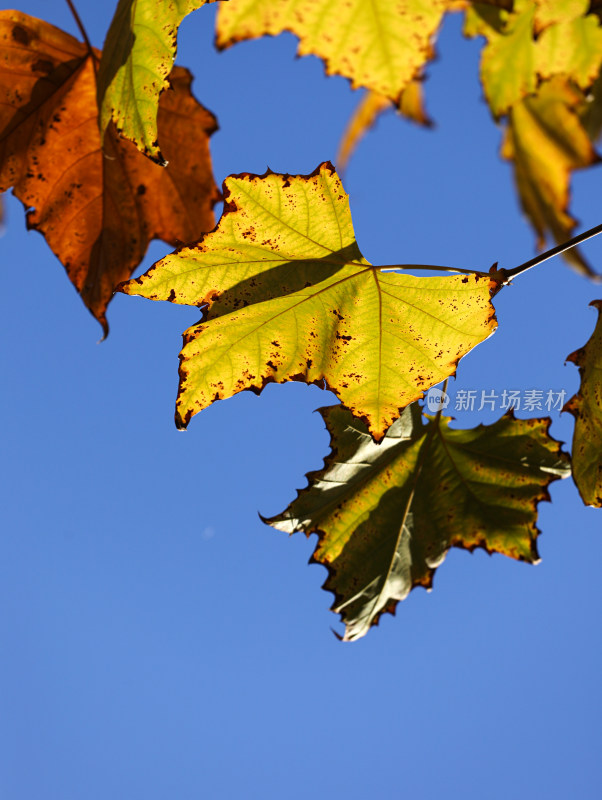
pixel 429 266
pixel 555 251
pixel 82 30
pixel 440 409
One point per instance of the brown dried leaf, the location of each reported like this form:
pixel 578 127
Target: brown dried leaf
pixel 98 209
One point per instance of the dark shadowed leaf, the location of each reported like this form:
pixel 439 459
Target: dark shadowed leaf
pixel 386 514
pixel 586 407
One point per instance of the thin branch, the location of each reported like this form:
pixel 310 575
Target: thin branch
pixel 82 30
pixel 555 251
pixel 507 274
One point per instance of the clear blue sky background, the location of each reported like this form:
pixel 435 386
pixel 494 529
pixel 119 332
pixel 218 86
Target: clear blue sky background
pixel 157 640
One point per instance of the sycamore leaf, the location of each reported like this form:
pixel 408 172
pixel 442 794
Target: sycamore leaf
pixel 97 208
pixel 552 12
pixel 546 141
pixel 508 61
pixel 536 81
pixel 289 296
pixel 538 40
pixel 137 58
pixel 572 48
pixel 381 45
pixel 586 407
pixel 387 514
pixel 369 109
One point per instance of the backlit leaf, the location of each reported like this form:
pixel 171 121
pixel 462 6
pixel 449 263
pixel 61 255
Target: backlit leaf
pixel 546 141
pixel 508 62
pixel 386 514
pixel 381 45
pixel 289 296
pixel 97 208
pixel 572 48
pixel 137 58
pixel 537 41
pixel 551 12
pixel 586 407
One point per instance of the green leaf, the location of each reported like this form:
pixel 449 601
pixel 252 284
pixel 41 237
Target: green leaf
pixel 386 514
pixel 381 45
pixel 289 296
pixel 137 58
pixel 586 407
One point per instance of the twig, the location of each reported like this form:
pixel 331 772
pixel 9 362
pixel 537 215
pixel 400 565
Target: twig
pixel 82 30
pixel 555 251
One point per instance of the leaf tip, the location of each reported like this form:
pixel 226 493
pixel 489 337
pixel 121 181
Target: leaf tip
pixel 338 636
pixel 122 287
pixel 182 421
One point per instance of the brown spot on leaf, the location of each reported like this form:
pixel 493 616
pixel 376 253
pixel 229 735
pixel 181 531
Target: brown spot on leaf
pixel 42 65
pixel 21 35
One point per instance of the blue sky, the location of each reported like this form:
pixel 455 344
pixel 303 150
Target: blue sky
pixel 157 640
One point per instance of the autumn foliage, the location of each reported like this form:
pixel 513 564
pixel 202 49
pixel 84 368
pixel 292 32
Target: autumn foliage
pixel 98 206
pixel 108 150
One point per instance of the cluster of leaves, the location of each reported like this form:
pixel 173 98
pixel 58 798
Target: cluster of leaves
pixel 98 203
pixel 91 144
